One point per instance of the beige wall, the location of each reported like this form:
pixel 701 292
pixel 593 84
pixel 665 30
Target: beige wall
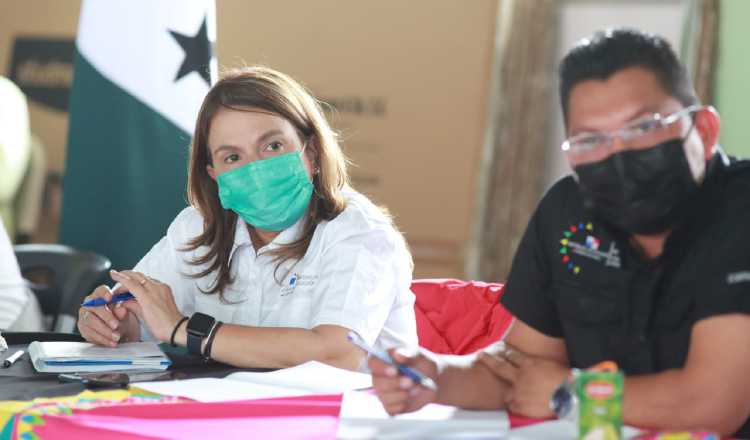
pixel 48 18
pixel 420 69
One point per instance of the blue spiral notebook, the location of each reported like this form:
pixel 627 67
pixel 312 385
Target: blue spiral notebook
pixel 79 357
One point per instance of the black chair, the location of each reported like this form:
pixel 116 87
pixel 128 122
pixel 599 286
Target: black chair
pixel 61 277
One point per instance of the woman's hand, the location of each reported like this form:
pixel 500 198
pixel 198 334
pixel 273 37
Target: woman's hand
pixel 154 304
pixel 108 324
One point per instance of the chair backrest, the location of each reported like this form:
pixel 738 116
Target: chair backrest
pixel 459 317
pixel 61 277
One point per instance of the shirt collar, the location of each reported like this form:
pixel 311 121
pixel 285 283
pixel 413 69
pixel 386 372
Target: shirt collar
pixel 287 236
pixel 290 234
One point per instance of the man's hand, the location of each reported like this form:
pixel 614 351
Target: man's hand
pixel 398 393
pixel 532 379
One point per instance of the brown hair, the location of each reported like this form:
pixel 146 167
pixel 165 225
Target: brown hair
pixel 266 89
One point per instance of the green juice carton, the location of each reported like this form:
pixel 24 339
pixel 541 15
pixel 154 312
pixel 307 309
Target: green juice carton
pixel 599 405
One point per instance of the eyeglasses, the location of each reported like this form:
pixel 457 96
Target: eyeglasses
pixel 644 132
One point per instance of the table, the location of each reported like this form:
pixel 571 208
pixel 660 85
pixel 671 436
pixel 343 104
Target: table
pixel 22 382
pixel 305 417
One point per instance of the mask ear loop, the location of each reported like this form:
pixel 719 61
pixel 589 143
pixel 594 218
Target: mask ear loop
pixel 692 126
pixel 684 139
pixel 315 173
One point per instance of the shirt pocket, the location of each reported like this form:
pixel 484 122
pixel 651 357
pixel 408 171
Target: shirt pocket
pixel 286 307
pixel 588 306
pixel 591 318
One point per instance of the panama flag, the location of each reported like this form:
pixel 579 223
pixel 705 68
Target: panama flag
pixel 142 69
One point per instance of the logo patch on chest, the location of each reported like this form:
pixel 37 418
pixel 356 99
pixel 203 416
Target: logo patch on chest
pixel 580 240
pixel 297 280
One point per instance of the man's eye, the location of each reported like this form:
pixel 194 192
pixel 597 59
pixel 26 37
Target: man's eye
pixel 231 158
pixel 644 127
pixel 590 142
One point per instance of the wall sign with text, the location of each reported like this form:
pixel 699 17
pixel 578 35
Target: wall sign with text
pixel 43 68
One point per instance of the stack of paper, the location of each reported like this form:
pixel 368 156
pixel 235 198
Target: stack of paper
pixel 303 380
pixel 67 357
pixel 312 376
pixel 363 417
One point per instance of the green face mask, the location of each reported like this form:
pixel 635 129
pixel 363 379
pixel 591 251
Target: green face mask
pixel 270 194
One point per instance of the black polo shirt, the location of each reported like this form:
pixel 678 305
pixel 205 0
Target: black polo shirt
pixel 574 277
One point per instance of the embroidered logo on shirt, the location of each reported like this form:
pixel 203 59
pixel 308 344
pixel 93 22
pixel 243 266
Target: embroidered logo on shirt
pixel 580 240
pixel 738 277
pixel 297 280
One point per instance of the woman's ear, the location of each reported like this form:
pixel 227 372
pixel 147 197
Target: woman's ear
pixel 311 151
pixel 211 172
pixel 707 123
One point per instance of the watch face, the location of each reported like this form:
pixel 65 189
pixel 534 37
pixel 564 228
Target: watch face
pixel 562 401
pixel 200 324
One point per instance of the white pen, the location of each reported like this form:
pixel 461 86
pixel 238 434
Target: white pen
pixel 10 360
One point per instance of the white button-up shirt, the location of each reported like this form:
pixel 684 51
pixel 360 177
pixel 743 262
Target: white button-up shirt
pixel 356 274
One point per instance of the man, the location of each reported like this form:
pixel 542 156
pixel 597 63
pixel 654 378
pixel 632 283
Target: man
pixel 643 258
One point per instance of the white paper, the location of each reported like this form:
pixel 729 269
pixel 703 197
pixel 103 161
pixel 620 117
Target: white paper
pixel 363 417
pixel 303 380
pixel 557 430
pixel 219 390
pixel 313 376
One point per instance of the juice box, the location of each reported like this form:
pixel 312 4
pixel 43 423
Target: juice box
pixel 599 405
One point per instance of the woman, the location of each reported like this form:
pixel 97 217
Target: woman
pixel 277 258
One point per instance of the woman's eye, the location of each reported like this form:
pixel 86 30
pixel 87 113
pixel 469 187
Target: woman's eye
pixel 231 158
pixel 274 146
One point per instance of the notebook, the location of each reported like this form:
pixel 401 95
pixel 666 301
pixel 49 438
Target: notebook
pixel 69 357
pixel 363 417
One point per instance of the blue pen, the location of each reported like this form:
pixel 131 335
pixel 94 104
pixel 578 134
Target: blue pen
pixel 409 372
pixel 120 297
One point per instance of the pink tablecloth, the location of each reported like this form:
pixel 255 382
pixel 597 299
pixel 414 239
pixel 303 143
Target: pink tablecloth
pixel 309 417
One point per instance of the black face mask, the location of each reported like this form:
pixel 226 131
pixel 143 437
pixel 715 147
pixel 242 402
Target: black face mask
pixel 639 191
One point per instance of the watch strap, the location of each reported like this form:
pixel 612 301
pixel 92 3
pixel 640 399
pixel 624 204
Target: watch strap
pixel 210 342
pixel 195 341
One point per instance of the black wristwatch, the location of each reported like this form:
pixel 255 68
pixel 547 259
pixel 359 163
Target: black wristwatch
pixel 564 402
pixel 198 328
